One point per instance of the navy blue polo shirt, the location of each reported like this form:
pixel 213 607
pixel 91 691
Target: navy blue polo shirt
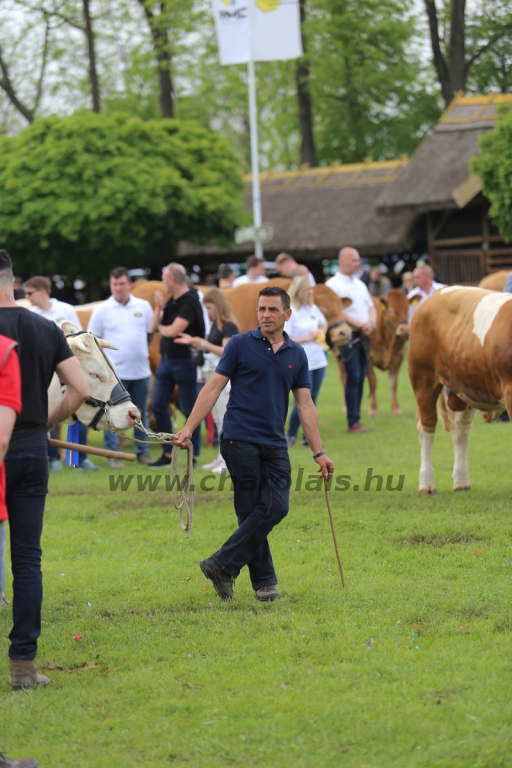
pixel 260 386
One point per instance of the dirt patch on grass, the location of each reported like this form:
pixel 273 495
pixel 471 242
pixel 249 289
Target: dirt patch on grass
pixel 101 665
pixel 435 540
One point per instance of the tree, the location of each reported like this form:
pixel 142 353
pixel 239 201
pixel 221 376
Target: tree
pixel 91 49
pixel 494 166
pixel 459 43
pixel 370 95
pixel 79 195
pixel 307 146
pixel 26 105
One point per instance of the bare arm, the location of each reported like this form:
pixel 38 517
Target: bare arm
pixel 198 343
pixel 309 420
pixel 205 401
pixel 156 319
pixel 71 374
pixel 7 420
pixel 174 329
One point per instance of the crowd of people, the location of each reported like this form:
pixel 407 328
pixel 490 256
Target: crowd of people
pixel 195 329
pixel 218 370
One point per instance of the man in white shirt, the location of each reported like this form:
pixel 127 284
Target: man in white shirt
pixel 38 290
pixel 125 321
pixel 255 272
pixel 425 286
pixel 361 315
pixel 288 267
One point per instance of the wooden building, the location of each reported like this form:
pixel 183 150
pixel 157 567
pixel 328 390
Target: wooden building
pixel 429 203
pixel 436 185
pixel 315 211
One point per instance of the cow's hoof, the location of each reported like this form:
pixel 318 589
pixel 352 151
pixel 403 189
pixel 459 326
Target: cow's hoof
pixel 462 488
pixel 430 491
pixel 397 412
pixel 373 412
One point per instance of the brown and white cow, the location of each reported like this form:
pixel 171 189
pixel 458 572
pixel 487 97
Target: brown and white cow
pixel 387 347
pixel 459 339
pixel 495 281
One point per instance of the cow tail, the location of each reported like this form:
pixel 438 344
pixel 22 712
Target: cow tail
pixel 444 413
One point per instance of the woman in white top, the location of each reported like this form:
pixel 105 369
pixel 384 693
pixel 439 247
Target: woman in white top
pixel 224 326
pixel 306 326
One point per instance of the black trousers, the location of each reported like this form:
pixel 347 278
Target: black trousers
pixel 26 489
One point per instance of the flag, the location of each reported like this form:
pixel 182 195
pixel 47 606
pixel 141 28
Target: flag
pixel 274 32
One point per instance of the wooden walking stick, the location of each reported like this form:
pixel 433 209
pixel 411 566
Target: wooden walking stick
pixel 90 449
pixel 328 502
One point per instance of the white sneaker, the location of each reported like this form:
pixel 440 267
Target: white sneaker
pixel 213 463
pixel 221 467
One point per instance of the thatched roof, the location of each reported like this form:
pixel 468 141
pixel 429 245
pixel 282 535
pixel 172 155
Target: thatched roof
pixel 437 176
pixel 316 211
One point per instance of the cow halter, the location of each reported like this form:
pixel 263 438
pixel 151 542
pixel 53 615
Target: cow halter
pixel 117 396
pixel 330 328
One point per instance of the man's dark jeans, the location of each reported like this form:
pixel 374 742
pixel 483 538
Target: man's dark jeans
pixel 26 489
pixel 168 374
pixel 261 475
pixel 355 359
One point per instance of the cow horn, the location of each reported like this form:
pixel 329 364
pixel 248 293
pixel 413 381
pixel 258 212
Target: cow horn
pixel 78 343
pixel 106 344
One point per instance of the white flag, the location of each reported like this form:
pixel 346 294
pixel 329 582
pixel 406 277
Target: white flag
pixel 275 32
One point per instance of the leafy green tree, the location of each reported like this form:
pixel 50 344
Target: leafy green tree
pixel 81 194
pixel 469 43
pixel 370 95
pixel 494 166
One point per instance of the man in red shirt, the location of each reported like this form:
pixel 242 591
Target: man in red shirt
pixel 10 408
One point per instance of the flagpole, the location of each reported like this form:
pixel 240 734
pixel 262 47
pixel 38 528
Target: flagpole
pixel 253 128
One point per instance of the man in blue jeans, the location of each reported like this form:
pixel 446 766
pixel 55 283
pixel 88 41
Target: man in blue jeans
pixel 182 312
pixel 361 315
pixel 263 366
pixel 42 350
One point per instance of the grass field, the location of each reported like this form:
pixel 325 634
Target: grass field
pixel 408 666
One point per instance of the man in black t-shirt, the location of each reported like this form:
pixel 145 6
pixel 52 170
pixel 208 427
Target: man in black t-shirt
pixel 42 350
pixel 183 312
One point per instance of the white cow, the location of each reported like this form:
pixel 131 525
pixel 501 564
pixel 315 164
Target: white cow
pixel 104 384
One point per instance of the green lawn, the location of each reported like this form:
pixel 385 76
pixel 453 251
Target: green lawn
pixel 166 675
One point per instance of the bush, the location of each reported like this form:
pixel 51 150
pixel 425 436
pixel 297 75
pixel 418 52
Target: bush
pixel 494 166
pixel 82 194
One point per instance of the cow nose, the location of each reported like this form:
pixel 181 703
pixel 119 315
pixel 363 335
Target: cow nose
pixel 133 415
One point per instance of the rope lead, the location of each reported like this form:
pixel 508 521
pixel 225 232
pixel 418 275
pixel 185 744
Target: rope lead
pixel 182 494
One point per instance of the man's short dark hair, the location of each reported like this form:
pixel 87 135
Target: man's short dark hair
pixel 39 282
pixel 253 261
pixel 6 273
pixel 119 272
pixel 224 272
pixel 273 290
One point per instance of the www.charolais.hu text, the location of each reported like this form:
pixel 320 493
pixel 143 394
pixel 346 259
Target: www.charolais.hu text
pixel 223 482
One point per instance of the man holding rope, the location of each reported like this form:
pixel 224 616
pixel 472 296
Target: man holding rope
pixel 263 366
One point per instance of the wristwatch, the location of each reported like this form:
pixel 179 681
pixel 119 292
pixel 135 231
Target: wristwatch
pixel 320 453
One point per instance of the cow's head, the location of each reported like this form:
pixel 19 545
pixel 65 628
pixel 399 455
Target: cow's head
pixel 395 310
pixel 329 303
pixel 104 384
pixel 339 333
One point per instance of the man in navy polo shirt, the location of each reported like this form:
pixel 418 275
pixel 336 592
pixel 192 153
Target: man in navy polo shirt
pixel 263 366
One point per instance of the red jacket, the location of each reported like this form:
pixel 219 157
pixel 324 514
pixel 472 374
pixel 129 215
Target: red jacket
pixel 10 397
